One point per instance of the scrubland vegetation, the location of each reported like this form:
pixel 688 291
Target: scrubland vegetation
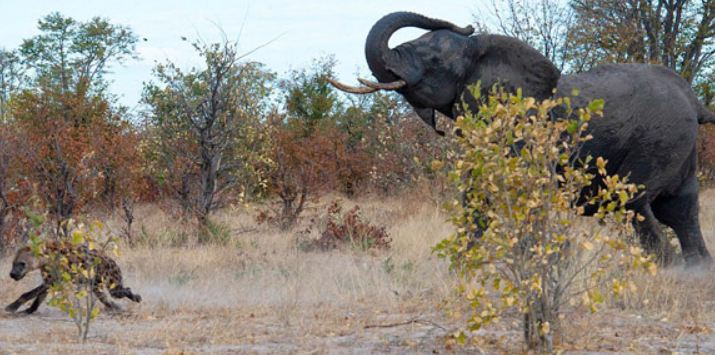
pixel 265 294
pixel 264 212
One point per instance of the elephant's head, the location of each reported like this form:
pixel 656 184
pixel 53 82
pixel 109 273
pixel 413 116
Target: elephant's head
pixel 434 70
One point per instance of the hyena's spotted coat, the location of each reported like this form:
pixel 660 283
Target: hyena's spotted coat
pixel 107 273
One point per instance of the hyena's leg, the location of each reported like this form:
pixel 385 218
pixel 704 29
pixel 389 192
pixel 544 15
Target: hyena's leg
pixel 103 298
pixel 119 292
pixel 27 296
pixel 38 301
pixel 115 284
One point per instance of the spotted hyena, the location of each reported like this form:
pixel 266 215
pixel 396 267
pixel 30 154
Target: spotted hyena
pixel 107 273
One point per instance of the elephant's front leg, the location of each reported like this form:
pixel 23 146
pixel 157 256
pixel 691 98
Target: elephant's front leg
pixel 27 296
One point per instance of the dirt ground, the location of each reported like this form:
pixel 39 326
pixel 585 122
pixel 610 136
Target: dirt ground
pixel 261 294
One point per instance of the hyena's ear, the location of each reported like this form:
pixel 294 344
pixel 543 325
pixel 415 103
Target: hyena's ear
pixel 21 254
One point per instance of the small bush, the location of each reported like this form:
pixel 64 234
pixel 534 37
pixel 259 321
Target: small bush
pixel 347 229
pixel 72 290
pixel 521 172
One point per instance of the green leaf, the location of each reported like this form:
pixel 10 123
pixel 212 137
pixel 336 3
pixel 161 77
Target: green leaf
pixel 460 337
pixel 95 312
pixel 77 238
pixel 572 127
pixel 597 297
pixel 596 105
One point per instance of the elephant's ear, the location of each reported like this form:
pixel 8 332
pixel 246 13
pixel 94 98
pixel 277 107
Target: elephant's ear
pixel 410 68
pixel 513 64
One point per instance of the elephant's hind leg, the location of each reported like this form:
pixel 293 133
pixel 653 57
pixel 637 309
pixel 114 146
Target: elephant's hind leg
pixel 680 212
pixel 651 235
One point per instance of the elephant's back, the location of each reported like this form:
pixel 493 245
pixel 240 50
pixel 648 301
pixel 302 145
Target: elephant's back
pixel 649 127
pixel 637 97
pixel 638 86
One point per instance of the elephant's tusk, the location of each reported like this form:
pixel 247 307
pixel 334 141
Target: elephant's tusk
pixel 351 89
pixel 395 85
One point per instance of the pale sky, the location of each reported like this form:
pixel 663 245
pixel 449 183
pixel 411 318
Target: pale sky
pixel 304 29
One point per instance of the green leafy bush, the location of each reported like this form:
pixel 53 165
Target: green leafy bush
pixel 72 263
pixel 521 175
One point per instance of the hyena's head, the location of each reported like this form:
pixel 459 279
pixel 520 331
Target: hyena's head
pixel 24 262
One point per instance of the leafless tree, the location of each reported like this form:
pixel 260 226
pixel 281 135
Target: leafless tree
pixel 543 24
pixel 675 33
pixel 213 104
pixel 579 34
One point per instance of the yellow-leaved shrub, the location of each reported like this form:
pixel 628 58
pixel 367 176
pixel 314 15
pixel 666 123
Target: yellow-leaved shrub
pixel 73 268
pixel 520 242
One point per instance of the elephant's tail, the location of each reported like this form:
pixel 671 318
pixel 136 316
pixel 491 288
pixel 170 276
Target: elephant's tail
pixel 705 115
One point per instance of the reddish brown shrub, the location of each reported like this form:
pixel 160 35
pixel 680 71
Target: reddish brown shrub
pixel 401 155
pixel 347 229
pixel 307 164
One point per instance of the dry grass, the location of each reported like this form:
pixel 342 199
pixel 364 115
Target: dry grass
pixel 260 293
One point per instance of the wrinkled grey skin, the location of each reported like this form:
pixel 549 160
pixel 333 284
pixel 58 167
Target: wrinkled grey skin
pixel 648 131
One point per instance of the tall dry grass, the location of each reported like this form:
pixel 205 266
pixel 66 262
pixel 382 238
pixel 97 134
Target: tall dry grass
pixel 263 267
pixel 259 292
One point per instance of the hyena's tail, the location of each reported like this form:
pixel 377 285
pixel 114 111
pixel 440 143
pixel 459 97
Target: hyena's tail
pixel 121 292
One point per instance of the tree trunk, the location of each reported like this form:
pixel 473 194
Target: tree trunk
pixel 185 195
pixel 128 216
pixel 541 324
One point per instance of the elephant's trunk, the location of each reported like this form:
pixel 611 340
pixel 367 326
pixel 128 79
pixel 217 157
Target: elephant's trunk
pixel 379 56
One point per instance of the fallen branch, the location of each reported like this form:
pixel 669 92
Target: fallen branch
pixel 408 322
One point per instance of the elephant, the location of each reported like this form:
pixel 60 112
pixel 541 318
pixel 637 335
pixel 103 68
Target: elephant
pixel 648 130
